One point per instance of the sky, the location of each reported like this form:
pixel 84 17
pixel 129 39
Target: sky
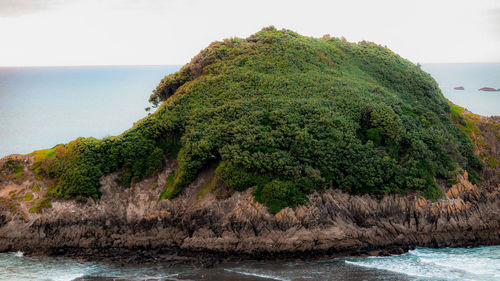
pixel 153 32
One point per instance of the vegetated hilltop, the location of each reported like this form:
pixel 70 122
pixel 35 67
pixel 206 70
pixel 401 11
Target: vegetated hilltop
pixel 287 115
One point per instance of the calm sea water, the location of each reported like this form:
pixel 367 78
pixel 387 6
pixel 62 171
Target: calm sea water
pixel 42 107
pixel 479 264
pixel 471 76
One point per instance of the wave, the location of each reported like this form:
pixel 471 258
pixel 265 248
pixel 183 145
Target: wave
pixel 481 263
pixel 477 264
pixel 394 267
pixel 261 275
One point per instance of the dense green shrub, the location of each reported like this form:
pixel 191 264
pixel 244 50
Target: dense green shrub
pixel 79 165
pixel 288 115
pixel 279 194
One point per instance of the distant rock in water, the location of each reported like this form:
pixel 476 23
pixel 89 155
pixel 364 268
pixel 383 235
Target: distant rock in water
pixel 487 89
pixel 459 88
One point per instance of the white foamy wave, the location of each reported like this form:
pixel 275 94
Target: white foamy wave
pixel 481 263
pixel 15 266
pixel 471 266
pixel 477 264
pixel 401 268
pixel 67 277
pixel 484 261
pixel 256 274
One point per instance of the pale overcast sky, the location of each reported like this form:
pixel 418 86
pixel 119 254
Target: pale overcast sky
pixel 125 32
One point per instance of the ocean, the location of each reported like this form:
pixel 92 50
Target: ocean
pixel 41 107
pixel 482 263
pixel 472 77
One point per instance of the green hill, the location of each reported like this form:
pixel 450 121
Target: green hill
pixel 287 115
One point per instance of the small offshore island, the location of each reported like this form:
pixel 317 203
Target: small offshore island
pixel 273 146
pixel 488 89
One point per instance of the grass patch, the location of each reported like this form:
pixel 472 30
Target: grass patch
pixel 209 187
pixel 464 120
pixel 28 196
pixel 18 172
pixel 493 162
pixel 14 169
pixel 43 154
pixel 40 205
pixel 170 190
pixel 35 187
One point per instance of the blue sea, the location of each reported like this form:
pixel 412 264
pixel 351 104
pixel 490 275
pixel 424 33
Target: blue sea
pixel 482 263
pixel 471 76
pixel 41 107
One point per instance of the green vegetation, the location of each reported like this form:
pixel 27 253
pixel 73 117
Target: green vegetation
pixel 35 187
pixel 78 165
pixel 466 125
pixel 28 196
pixel 209 187
pixel 42 154
pixel 13 169
pixel 493 162
pixel 278 194
pixel 169 190
pixel 40 205
pixel 466 122
pixel 287 115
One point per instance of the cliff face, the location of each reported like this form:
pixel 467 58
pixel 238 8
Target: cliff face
pixel 207 218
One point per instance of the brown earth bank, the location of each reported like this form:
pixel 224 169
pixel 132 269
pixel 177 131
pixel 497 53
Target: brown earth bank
pixel 208 223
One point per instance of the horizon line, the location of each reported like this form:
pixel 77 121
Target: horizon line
pixel 121 65
pixel 86 65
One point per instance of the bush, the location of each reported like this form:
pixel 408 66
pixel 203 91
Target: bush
pixel 279 194
pixel 288 115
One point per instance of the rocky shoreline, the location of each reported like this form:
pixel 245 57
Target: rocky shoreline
pixel 175 256
pixel 205 226
pixel 128 226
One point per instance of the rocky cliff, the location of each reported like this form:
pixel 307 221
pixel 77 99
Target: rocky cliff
pixel 207 218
